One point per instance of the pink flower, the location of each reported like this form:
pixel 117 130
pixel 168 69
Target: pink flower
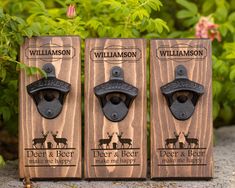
pixel 71 11
pixel 205 28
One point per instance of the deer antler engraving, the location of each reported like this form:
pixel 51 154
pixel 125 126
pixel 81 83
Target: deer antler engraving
pixel 191 141
pixel 105 141
pixel 172 141
pixel 59 140
pixel 40 141
pixel 124 141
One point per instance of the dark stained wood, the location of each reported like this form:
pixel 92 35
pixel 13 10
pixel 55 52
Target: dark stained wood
pixel 57 162
pixel 127 163
pixel 185 162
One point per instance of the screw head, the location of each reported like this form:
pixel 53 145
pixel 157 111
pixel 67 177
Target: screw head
pixel 116 72
pixel 49 112
pixel 181 72
pixel 114 115
pixel 48 68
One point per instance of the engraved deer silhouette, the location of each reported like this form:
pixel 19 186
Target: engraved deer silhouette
pixel 105 141
pixel 59 140
pixel 40 141
pixel 191 141
pixel 172 141
pixel 124 141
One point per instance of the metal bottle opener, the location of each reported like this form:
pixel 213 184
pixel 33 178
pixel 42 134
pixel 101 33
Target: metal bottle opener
pixel 182 94
pixel 49 93
pixel 115 96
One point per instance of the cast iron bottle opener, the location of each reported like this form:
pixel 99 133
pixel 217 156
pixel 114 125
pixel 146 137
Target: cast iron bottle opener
pixel 182 94
pixel 49 93
pixel 115 96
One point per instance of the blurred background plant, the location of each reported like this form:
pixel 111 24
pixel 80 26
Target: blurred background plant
pixel 214 19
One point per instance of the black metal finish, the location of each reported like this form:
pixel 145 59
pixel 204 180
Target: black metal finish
pixel 48 93
pixel 182 94
pixel 115 96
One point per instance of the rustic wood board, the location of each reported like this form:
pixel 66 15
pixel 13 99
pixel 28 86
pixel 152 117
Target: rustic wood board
pixel 183 161
pixel 52 161
pixel 119 163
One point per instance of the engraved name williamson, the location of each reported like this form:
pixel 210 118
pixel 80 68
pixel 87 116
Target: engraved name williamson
pixel 49 52
pixel 114 54
pixel 182 53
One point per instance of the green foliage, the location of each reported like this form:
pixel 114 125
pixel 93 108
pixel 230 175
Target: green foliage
pixel 189 14
pixel 11 33
pixel 105 18
pixel 2 162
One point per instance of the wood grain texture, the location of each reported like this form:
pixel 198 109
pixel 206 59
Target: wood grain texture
pixel 128 163
pixel 53 161
pixel 170 162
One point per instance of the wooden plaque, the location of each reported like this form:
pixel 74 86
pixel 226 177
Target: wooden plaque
pixel 115 150
pixel 181 139
pixel 50 148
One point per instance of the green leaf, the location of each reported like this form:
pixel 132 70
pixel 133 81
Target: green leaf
pixel 231 17
pixel 221 68
pixel 160 24
pixel 118 30
pixel 188 5
pixel 34 70
pixel 1 13
pixel 35 28
pixel 13 84
pixel 230 92
pixel 20 20
pixel 153 4
pixel 229 26
pixel 224 70
pixel 216 109
pixel 229 50
pixel 21 65
pixel 3 73
pixel 232 75
pixel 28 32
pixel 135 32
pixel 140 13
pixel 184 14
pixel 175 34
pixel 207 5
pixel 191 21
pixel 226 113
pixel 2 162
pixel 221 13
pixel 216 88
pixel 6 113
pixel 94 24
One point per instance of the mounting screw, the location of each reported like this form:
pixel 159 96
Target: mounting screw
pixel 48 69
pixel 49 112
pixel 116 72
pixel 114 115
pixel 181 72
